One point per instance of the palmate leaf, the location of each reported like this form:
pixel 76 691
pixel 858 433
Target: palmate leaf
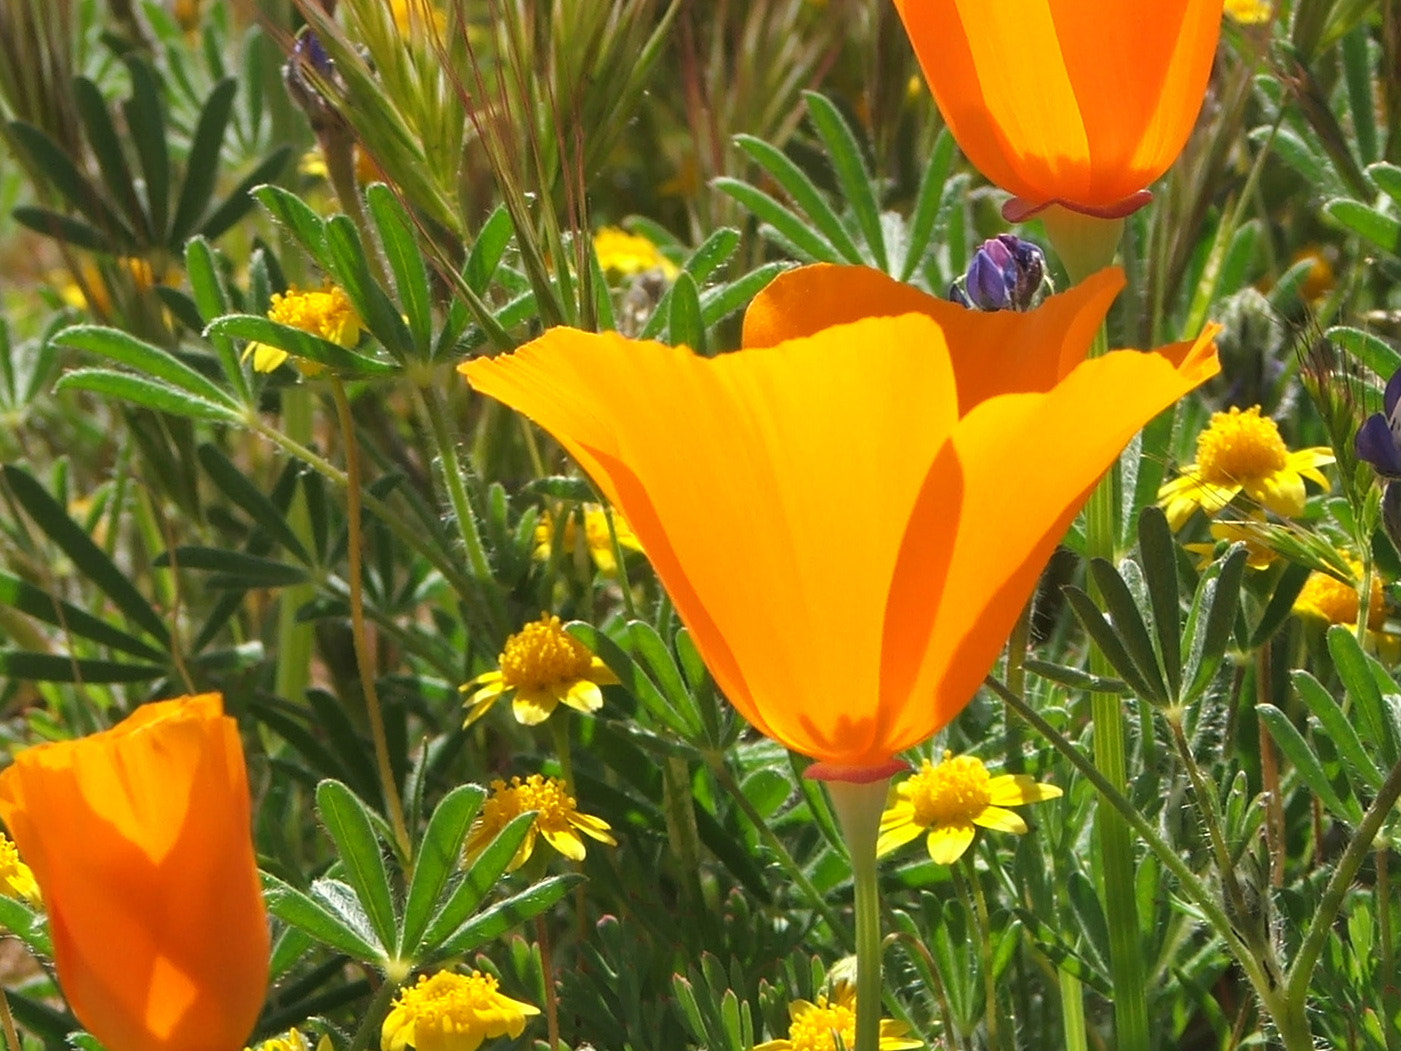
pixel 504 915
pixel 347 820
pixel 439 856
pixel 311 914
pixel 299 344
pixel 146 360
pixel 148 393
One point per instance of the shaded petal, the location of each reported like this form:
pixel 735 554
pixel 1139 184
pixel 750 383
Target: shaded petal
pixel 533 707
pixel 583 695
pixel 566 841
pixel 992 353
pixel 601 673
pixel 1015 789
pixel 999 820
pixel 1281 492
pixel 937 652
pixel 947 843
pixel 896 835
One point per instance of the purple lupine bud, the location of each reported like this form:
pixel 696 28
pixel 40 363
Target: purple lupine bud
pixel 1005 274
pixel 1379 438
pixel 306 70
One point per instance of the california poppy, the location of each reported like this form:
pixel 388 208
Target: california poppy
pixel 850 521
pixel 1060 101
pixel 139 838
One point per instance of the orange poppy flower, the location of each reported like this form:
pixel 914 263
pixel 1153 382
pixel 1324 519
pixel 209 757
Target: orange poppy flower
pixel 1061 101
pixel 139 839
pixel 850 521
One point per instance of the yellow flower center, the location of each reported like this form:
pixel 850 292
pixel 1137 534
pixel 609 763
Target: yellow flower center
pixel 327 313
pixel 1240 447
pixel 447 1001
pixel 1330 600
pixel 546 795
pixel 541 654
pixel 817 1028
pixel 953 792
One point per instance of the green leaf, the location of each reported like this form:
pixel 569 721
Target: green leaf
pixel 306 913
pixel 345 256
pixel 1338 727
pixel 87 557
pixel 107 148
pixel 147 360
pixel 809 246
pixel 148 393
pixel 212 301
pixel 1281 603
pixel 65 177
pixel 439 856
pixel 202 167
pixel 852 174
pixel 1388 179
pixel 686 329
pixel 63 228
pixel 637 683
pixel 239 202
pixel 1212 619
pixel 401 249
pixel 296 216
pixel 719 303
pixel 1076 678
pixel 242 570
pixel 1357 72
pixel 55 667
pixel 803 193
pixel 299 344
pixel 1373 351
pixel 1297 750
pixel 29 926
pixel 1380 229
pixel 250 499
pixel 1128 624
pixel 146 125
pixel 1158 550
pixel 488 250
pixel 347 820
pixel 1354 669
pixel 477 882
pixel 505 915
pixel 25 597
pixel 1098 627
pixel 926 213
pixel 713 253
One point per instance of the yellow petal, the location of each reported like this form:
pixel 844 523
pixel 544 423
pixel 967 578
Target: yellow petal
pixel 566 841
pixel 533 707
pixel 999 820
pixel 948 842
pixel 583 695
pixel 1015 789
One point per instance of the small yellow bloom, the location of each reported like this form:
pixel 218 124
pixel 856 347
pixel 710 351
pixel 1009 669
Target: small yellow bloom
pixel 1249 12
pixel 818 1026
pixel 1252 531
pixel 1324 597
pixel 1242 452
pixel 452 1012
pixel 16 880
pixel 950 799
pixel 327 313
pixel 630 254
pixel 292 1040
pixel 543 665
pixel 415 15
pixel 1319 280
pixel 555 818
pixel 596 536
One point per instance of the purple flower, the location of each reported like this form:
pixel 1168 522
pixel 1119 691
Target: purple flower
pixel 1005 274
pixel 1379 437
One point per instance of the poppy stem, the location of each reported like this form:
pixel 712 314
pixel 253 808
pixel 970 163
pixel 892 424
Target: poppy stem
pixel 858 806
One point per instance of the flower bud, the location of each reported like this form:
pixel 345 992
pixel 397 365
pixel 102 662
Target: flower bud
pixel 1005 274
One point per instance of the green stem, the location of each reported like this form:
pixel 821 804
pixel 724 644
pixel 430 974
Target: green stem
pixel 1296 982
pixel 1015 675
pixel 373 1017
pixel 451 467
pixel 413 538
pixel 1072 1009
pixel 294 637
pixel 780 852
pixel 1193 888
pixel 364 650
pixel 1126 965
pixel 559 730
pixel 982 917
pixel 858 807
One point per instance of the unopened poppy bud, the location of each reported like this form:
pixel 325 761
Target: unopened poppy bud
pixel 1005 274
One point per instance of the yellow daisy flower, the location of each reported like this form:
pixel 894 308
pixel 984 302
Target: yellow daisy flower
pixel 950 799
pixel 452 1012
pixel 16 879
pixel 292 1040
pixel 327 313
pixel 543 665
pixel 600 544
pixel 818 1026
pixel 1242 452
pixel 620 252
pixel 1326 599
pixel 1248 12
pixel 555 818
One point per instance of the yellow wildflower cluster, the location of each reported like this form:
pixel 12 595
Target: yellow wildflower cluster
pixel 1249 12
pixel 628 255
pixel 452 1012
pixel 819 1026
pixel 596 536
pixel 556 818
pixel 327 313
pixel 542 665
